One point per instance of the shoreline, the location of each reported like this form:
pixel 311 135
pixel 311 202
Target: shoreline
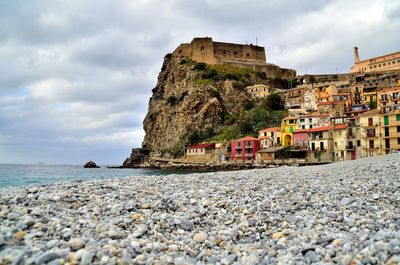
pixel 260 216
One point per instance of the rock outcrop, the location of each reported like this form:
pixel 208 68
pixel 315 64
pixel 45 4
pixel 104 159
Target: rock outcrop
pixel 184 100
pixel 91 164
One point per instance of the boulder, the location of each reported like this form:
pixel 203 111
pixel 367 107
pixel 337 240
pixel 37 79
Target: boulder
pixel 91 164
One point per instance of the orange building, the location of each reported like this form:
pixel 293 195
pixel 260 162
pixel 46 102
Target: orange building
pixel 385 62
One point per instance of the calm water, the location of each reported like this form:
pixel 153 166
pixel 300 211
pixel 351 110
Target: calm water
pixel 26 175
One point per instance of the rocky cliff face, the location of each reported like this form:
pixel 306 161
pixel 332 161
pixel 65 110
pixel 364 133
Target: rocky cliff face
pixel 184 100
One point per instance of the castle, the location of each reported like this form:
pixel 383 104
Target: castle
pixel 205 50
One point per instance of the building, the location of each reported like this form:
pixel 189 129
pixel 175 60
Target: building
pixel 288 126
pixel 270 137
pixel 259 91
pixel 340 145
pixel 205 50
pixel 320 144
pixel 349 136
pixel 306 122
pixel 201 153
pixel 270 153
pixel 390 131
pixel 295 98
pixel 244 148
pixel 370 124
pixel 300 139
pixel 324 91
pixel 385 62
pixel 388 99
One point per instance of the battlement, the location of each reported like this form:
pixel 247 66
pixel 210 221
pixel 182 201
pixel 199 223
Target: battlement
pixel 205 50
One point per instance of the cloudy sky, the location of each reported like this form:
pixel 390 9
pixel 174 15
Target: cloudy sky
pixel 76 76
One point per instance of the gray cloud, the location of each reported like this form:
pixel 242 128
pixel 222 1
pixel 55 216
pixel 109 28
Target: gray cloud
pixel 77 76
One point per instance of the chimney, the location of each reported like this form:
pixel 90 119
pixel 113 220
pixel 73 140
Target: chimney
pixel 356 57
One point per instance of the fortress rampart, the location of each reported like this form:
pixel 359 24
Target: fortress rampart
pixel 204 50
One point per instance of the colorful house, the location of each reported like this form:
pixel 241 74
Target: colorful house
pixel 320 144
pixel 288 127
pixel 244 148
pixel 300 139
pixel 340 142
pixel 390 131
pixel 201 153
pixel 370 125
pixel 306 122
pixel 388 99
pixel 270 137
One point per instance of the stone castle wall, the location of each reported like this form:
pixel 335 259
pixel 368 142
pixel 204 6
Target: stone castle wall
pixel 206 51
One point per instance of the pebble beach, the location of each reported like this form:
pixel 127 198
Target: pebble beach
pixel 341 213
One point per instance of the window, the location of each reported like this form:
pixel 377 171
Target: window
pixel 398 128
pixel 386 131
pixel 397 117
pixel 312 146
pixel 398 141
pixel 272 134
pixel 371 144
pixel 238 145
pixel 358 142
pixel 386 119
pixel 387 143
pixel 321 145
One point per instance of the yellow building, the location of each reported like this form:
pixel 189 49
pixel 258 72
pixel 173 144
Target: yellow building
pixel 324 92
pixel 288 126
pixel 390 131
pixel 340 145
pixel 388 99
pixel 370 124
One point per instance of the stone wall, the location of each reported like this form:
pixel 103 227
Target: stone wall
pixel 206 51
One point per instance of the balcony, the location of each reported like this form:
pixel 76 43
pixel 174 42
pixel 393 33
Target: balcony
pixel 249 146
pixel 238 147
pixel 350 147
pixel 238 155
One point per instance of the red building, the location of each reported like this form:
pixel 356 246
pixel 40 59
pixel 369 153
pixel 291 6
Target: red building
pixel 244 148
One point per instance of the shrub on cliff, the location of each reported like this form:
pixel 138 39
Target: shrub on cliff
pixel 274 101
pixel 172 100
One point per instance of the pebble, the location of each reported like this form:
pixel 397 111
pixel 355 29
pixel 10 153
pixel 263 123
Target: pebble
pixel 200 237
pixel 281 215
pixel 76 243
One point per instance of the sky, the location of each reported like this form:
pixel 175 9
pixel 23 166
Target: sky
pixel 76 76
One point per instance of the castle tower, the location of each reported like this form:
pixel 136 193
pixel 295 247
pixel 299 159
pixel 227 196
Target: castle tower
pixel 356 57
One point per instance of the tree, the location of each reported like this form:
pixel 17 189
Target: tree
pixel 274 102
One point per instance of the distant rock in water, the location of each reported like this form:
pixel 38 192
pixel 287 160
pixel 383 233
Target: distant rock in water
pixel 91 164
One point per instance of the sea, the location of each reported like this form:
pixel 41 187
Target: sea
pixel 14 175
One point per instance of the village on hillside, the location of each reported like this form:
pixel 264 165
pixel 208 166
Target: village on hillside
pixel 331 118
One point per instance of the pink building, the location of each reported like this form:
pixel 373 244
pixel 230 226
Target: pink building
pixel 300 139
pixel 244 148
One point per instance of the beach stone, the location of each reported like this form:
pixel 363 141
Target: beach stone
pixel 375 196
pixel 186 225
pixel 345 201
pixel 200 237
pixel 87 258
pixel 76 243
pixel 277 235
pixel 20 235
pixel 140 230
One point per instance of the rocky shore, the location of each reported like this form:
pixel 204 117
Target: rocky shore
pixel 344 213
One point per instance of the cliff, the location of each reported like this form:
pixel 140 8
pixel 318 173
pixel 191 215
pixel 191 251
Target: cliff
pixel 193 97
